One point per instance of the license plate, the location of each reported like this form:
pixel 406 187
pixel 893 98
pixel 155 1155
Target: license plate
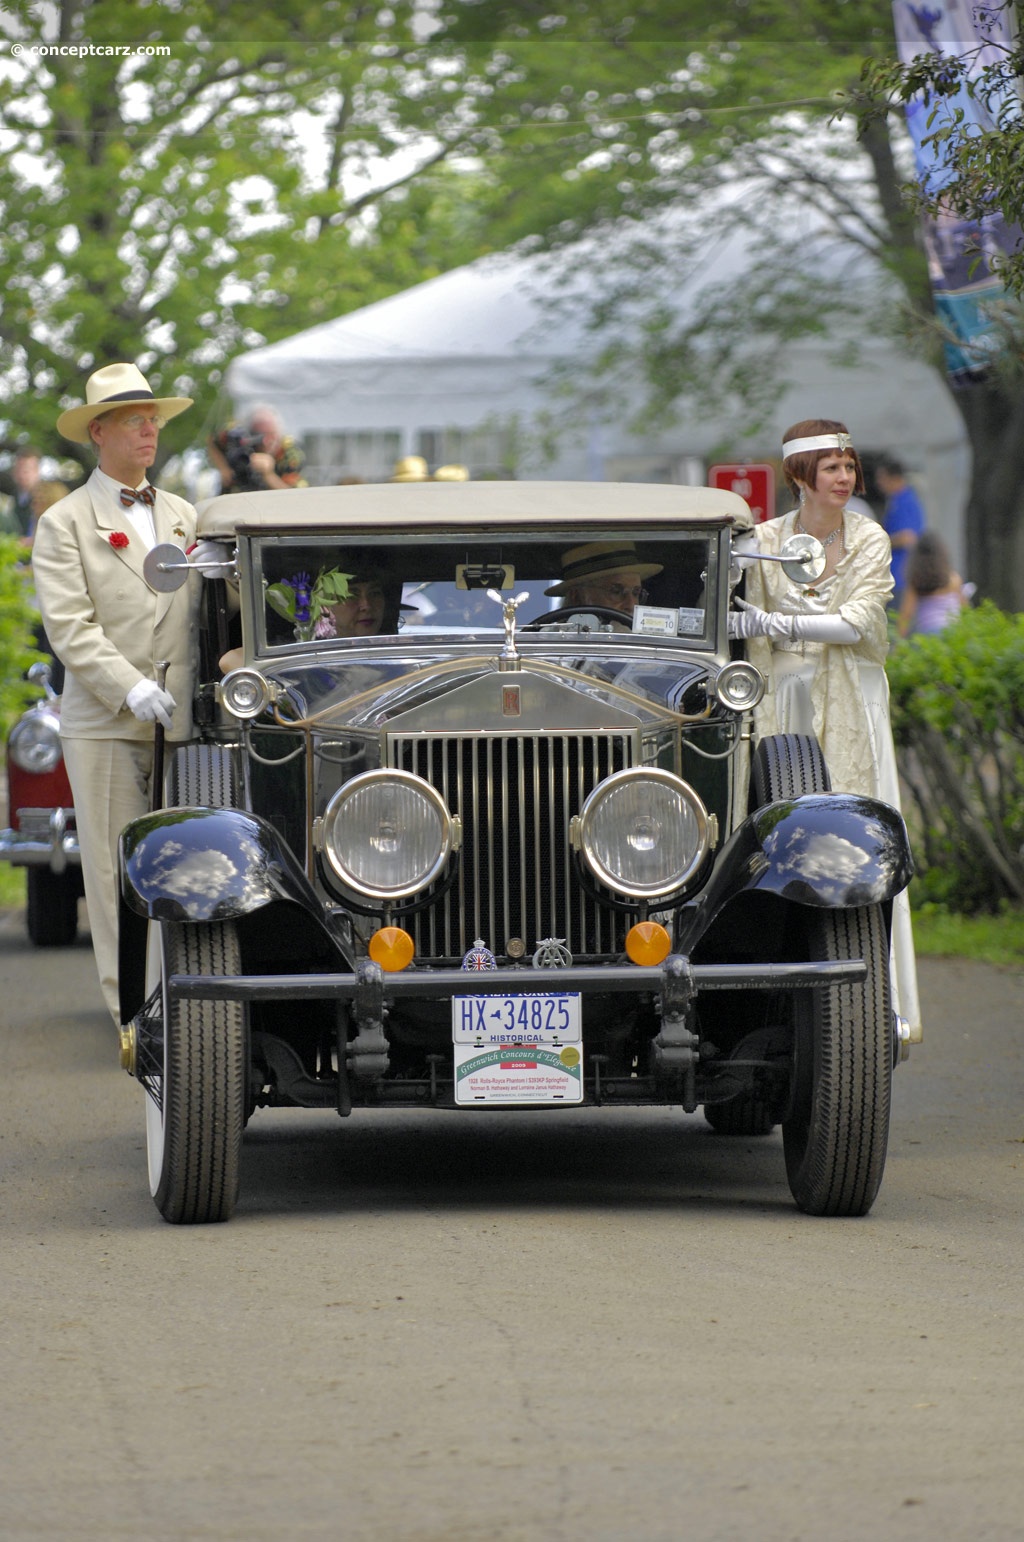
pixel 517 1049
pixel 550 1017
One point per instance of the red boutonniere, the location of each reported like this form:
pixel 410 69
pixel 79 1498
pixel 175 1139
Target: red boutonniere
pixel 119 540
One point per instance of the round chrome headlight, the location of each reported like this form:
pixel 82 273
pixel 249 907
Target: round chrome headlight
pixel 739 686
pixel 387 834
pixel 643 832
pixel 244 693
pixel 34 744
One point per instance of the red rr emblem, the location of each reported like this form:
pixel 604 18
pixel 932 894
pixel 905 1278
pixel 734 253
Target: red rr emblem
pixel 511 701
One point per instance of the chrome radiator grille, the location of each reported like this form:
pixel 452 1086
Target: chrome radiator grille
pixel 517 876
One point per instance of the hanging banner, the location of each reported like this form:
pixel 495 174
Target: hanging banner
pixel 961 252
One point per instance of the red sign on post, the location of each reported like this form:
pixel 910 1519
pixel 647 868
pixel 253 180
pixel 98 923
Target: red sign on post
pixel 755 484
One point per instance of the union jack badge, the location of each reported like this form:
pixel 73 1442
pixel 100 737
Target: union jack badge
pixel 479 956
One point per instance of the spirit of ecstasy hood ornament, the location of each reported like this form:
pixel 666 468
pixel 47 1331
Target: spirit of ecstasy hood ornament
pixel 509 658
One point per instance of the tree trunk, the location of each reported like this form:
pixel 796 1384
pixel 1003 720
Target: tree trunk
pixel 992 409
pixel 993 414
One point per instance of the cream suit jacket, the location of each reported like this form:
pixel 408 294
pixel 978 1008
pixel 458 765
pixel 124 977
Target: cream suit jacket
pixel 105 623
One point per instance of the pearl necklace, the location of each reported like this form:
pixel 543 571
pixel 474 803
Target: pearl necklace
pixel 827 540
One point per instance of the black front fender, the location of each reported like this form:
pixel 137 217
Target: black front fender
pixel 195 865
pixel 831 850
pixel 205 864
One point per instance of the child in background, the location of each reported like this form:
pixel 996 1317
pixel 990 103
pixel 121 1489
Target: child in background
pixel 934 593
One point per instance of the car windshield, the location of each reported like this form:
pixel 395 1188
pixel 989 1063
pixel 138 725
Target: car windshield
pixel 324 587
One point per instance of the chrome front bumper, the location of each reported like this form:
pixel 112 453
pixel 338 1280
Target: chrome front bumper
pixel 46 837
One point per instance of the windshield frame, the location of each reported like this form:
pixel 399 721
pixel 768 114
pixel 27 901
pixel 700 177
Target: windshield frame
pixel 690 559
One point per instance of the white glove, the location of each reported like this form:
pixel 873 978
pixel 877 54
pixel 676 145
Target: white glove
pixel 751 621
pixel 149 703
pixel 213 551
pixel 739 558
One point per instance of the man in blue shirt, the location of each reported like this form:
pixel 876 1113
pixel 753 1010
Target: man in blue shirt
pixel 904 519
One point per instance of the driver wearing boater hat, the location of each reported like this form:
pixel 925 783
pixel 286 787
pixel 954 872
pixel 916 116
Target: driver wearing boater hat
pixel 608 574
pixel 108 627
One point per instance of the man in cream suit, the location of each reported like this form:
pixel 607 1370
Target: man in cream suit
pixel 109 628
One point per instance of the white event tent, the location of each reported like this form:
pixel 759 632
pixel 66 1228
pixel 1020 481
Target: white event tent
pixel 458 369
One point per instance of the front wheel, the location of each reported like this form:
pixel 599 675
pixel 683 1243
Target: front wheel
pixel 195 1112
pixel 836 1128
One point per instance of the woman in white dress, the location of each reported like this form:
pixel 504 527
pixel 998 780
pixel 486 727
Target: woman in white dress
pixel 822 648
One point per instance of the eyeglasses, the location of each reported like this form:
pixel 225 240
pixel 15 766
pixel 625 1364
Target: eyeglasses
pixel 634 593
pixel 142 420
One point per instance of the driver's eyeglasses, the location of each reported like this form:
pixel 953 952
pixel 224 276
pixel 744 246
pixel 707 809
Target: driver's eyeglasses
pixel 634 592
pixel 142 420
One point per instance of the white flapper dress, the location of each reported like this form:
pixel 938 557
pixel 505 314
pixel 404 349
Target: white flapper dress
pixel 838 692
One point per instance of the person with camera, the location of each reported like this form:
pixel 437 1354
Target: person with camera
pixel 256 455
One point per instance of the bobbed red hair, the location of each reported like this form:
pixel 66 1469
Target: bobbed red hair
pixel 804 466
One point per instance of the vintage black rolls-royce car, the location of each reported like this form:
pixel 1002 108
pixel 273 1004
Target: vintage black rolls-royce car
pixel 498 850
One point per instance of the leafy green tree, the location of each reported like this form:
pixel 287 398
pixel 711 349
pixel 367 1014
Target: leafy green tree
pixel 158 207
pixel 169 209
pixel 980 165
pixel 761 120
pixel 17 614
pixel 250 173
pixel 980 176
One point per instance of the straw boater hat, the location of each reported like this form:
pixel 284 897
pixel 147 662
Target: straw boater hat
pixel 411 468
pixel 115 385
pixel 600 559
pixel 452 473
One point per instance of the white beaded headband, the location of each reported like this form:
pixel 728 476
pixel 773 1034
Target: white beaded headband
pixel 819 442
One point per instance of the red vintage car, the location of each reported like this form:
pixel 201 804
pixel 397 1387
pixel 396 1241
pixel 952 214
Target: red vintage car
pixel 42 836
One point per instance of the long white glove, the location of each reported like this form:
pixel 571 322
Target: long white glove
pixel 150 703
pixel 752 621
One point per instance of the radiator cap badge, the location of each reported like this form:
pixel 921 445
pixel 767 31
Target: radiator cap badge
pixel 552 953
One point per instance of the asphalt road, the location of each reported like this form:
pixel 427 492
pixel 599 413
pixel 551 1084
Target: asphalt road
pixel 458 1328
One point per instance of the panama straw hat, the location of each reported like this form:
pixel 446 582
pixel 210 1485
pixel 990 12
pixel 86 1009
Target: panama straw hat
pixel 600 559
pixel 453 473
pixel 411 468
pixel 115 385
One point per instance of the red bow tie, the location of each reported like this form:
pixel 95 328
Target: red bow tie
pixel 130 495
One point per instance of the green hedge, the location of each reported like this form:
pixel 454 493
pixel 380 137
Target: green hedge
pixel 18 616
pixel 958 722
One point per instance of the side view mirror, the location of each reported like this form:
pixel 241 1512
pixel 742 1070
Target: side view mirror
pixel 167 567
pixel 802 558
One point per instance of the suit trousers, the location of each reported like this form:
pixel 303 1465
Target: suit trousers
pixel 110 782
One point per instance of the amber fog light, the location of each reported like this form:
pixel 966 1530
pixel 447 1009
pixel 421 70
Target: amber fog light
pixel 392 948
pixel 648 943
